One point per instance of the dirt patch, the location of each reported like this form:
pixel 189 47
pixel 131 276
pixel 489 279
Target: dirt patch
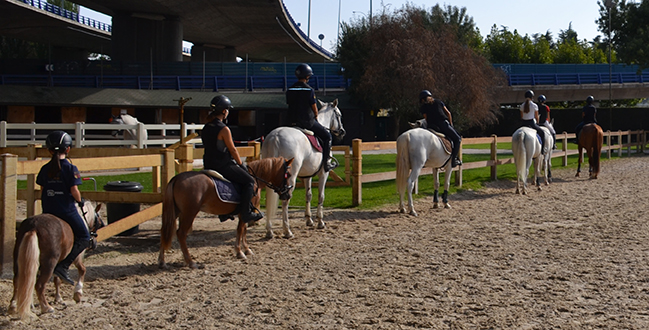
pixel 573 256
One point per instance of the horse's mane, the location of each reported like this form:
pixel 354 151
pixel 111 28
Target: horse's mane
pixel 267 167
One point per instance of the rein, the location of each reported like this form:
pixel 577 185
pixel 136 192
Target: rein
pixel 281 191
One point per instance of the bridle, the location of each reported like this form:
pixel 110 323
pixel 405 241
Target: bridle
pixel 335 119
pixel 284 191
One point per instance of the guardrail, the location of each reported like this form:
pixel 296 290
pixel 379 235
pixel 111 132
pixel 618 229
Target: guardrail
pixel 576 78
pixel 214 83
pixel 56 10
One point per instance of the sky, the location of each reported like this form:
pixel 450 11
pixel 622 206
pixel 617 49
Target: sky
pixel 526 16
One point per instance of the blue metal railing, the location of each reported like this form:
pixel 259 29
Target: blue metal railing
pixel 56 10
pixel 576 78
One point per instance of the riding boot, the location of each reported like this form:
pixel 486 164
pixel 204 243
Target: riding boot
pixel 61 269
pixel 455 161
pixel 247 215
pixel 326 158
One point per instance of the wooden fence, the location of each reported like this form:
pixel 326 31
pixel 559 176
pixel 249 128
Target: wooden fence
pixel 613 140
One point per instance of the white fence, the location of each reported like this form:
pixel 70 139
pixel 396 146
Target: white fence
pixel 21 135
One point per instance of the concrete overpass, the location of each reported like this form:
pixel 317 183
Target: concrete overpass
pixel 146 30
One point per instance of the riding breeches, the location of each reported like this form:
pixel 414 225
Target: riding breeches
pixel 77 224
pixel 448 130
pixel 235 173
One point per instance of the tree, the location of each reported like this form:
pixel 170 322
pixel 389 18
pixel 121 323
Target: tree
pixel 629 30
pixel 401 55
pixel 504 46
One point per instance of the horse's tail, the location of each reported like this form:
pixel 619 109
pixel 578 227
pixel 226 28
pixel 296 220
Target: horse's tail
pixel 168 217
pixel 598 141
pixel 518 148
pixel 28 263
pixel 403 162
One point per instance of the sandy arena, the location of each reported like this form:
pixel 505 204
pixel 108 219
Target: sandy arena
pixel 573 256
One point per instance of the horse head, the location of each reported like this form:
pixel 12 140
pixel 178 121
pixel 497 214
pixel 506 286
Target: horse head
pixel 90 214
pixel 117 120
pixel 421 123
pixel 330 117
pixel 268 171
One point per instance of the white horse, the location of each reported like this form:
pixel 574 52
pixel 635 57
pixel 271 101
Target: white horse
pixel 527 147
pixel 129 134
pixel 289 142
pixel 415 148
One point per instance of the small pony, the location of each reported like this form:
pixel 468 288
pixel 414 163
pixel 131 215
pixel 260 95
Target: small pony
pixel 42 241
pixel 527 147
pixel 591 139
pixel 190 192
pixel 129 134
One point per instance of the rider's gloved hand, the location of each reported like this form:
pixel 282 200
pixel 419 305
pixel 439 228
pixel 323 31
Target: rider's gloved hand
pixel 82 202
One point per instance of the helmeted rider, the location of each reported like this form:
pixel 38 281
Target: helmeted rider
pixel 530 116
pixel 303 111
pixel 544 117
pixel 222 156
pixel 60 195
pixel 439 119
pixel 588 115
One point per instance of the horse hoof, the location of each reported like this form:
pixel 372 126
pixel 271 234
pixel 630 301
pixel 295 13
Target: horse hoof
pixel 241 256
pixel 577 175
pixel 309 222
pixel 447 206
pixel 288 235
pixel 413 213
pixel 435 205
pixel 48 309
pixel 13 308
pixel 193 265
pixel 77 297
pixel 269 235
pixel 321 225
pixel 249 252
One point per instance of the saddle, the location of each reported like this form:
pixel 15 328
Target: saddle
pixel 226 191
pixel 315 143
pixel 448 144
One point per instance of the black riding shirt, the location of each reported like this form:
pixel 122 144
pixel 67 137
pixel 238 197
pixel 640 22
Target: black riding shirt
pixel 300 97
pixel 216 154
pixel 434 112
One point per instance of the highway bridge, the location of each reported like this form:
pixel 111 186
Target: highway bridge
pixel 153 30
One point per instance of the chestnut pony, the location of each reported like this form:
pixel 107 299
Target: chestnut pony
pixel 190 192
pixel 591 139
pixel 41 242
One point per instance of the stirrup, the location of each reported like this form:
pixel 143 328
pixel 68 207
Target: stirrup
pixel 252 216
pixel 331 164
pixel 63 274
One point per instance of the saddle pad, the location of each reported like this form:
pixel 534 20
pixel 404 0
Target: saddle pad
pixel 448 144
pixel 225 190
pixel 312 138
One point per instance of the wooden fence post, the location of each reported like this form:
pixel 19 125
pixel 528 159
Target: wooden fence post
pixel 619 143
pixel 32 205
pixel 8 206
pixel 357 172
pixel 564 148
pixel 458 173
pixel 168 168
pixel 257 152
pixel 494 157
pixel 185 156
pixel 608 142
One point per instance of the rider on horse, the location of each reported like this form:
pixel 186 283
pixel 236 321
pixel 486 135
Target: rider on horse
pixel 530 116
pixel 544 118
pixel 222 156
pixel 59 194
pixel 588 115
pixel 439 119
pixel 303 111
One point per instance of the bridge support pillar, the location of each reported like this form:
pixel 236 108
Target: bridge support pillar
pixel 213 54
pixel 146 37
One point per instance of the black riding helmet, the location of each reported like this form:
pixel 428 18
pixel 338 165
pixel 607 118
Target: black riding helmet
pixel 424 94
pixel 590 99
pixel 529 94
pixel 303 71
pixel 221 102
pixel 58 141
pixel 541 98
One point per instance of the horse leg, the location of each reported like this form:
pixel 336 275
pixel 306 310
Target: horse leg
pixel 322 181
pixel 538 161
pixel 47 269
pixel 581 159
pixel 309 195
pixel 185 222
pixel 241 232
pixel 81 268
pixel 447 185
pixel 285 226
pixel 414 175
pixel 436 185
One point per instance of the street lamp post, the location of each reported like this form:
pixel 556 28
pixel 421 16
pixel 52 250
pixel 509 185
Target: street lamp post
pixel 609 5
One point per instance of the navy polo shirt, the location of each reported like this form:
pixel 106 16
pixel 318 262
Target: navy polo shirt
pixel 299 98
pixel 55 195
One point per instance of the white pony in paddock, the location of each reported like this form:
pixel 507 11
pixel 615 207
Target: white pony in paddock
pixel 129 134
pixel 290 142
pixel 415 148
pixel 527 147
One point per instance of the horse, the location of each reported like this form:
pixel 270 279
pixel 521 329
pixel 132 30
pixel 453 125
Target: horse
pixel 190 192
pixel 290 142
pixel 527 147
pixel 415 148
pixel 41 242
pixel 129 134
pixel 591 139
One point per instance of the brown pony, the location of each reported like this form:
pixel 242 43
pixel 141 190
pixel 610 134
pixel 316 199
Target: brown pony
pixel 190 192
pixel 591 139
pixel 41 242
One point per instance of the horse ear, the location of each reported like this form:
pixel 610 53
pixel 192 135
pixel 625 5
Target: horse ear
pixel 320 104
pixel 290 161
pixel 98 207
pixel 335 103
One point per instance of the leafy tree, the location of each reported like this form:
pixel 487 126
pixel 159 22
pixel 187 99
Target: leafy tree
pixel 629 30
pixel 401 55
pixel 457 21
pixel 504 46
